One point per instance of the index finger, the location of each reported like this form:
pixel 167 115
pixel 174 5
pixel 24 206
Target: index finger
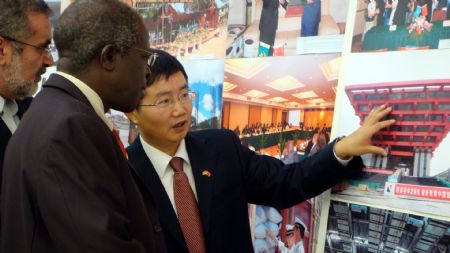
pixel 378 113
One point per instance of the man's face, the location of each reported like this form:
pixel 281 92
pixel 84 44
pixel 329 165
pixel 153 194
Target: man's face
pixel 297 234
pixel 164 128
pixel 129 81
pixel 290 239
pixel 23 70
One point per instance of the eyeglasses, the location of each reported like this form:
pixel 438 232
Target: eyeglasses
pixel 151 58
pixel 48 49
pixel 184 98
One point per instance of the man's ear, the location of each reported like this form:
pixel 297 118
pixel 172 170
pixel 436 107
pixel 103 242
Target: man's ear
pixel 108 57
pixel 132 117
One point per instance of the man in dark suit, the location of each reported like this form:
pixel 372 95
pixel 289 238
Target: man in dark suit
pixel 311 18
pixel 25 35
pixel 448 9
pixel 223 175
pixel 400 12
pixel 380 10
pixel 268 23
pixel 67 185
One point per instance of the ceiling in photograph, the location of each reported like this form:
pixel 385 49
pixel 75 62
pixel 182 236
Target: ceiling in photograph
pixel 307 81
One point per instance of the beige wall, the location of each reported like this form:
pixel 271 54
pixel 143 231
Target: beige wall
pixel 318 118
pixel 238 115
pixel 279 114
pixel 226 115
pixel 254 115
pixel 266 115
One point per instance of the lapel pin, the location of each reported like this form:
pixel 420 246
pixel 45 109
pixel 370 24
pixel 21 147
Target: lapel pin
pixel 206 173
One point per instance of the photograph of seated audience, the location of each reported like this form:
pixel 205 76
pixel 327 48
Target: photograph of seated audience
pixel 286 113
pixel 394 25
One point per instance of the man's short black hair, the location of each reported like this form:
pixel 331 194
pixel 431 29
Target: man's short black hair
pixel 164 66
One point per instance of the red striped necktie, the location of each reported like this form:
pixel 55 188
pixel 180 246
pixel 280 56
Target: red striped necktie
pixel 187 209
pixel 122 147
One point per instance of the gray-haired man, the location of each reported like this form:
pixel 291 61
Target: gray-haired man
pixel 25 36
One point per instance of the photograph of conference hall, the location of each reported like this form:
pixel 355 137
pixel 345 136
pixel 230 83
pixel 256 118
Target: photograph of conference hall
pixel 278 99
pixel 415 175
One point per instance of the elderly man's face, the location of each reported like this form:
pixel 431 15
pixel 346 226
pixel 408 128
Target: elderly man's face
pixel 22 70
pixel 127 87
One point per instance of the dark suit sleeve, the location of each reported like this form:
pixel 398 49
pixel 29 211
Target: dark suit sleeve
pixel 269 182
pixel 80 190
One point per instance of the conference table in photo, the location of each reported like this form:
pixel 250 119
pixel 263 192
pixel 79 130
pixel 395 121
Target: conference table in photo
pixel 272 139
pixel 380 38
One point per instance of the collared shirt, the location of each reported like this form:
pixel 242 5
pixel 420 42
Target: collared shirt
pixel 8 111
pixel 161 160
pixel 93 98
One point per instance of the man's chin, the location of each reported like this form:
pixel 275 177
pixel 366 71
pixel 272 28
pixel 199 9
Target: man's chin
pixel 27 89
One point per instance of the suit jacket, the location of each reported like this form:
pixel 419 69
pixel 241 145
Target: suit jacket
pixel 67 186
pixel 400 12
pixel 269 15
pixel 5 133
pixel 238 176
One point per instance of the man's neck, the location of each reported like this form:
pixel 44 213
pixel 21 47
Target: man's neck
pixel 168 149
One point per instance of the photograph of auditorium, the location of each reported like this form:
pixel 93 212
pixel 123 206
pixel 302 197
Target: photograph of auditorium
pixel 282 107
pixel 415 174
pixel 356 228
pixel 268 100
pixel 190 29
pixel 285 27
pixel 399 25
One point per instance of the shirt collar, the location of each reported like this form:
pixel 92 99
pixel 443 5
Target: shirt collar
pixel 161 160
pixel 2 104
pixel 93 98
pixel 8 105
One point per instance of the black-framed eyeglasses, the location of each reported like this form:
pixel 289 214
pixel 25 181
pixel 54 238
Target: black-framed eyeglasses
pixel 48 49
pixel 185 98
pixel 151 58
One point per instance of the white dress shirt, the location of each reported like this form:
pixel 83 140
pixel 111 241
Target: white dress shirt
pixel 93 98
pixel 161 160
pixel 8 111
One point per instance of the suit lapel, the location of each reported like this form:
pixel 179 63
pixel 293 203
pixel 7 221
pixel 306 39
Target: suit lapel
pixel 23 106
pixel 5 135
pixel 203 161
pixel 144 168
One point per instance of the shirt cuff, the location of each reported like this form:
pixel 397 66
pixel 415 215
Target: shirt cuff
pixel 341 161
